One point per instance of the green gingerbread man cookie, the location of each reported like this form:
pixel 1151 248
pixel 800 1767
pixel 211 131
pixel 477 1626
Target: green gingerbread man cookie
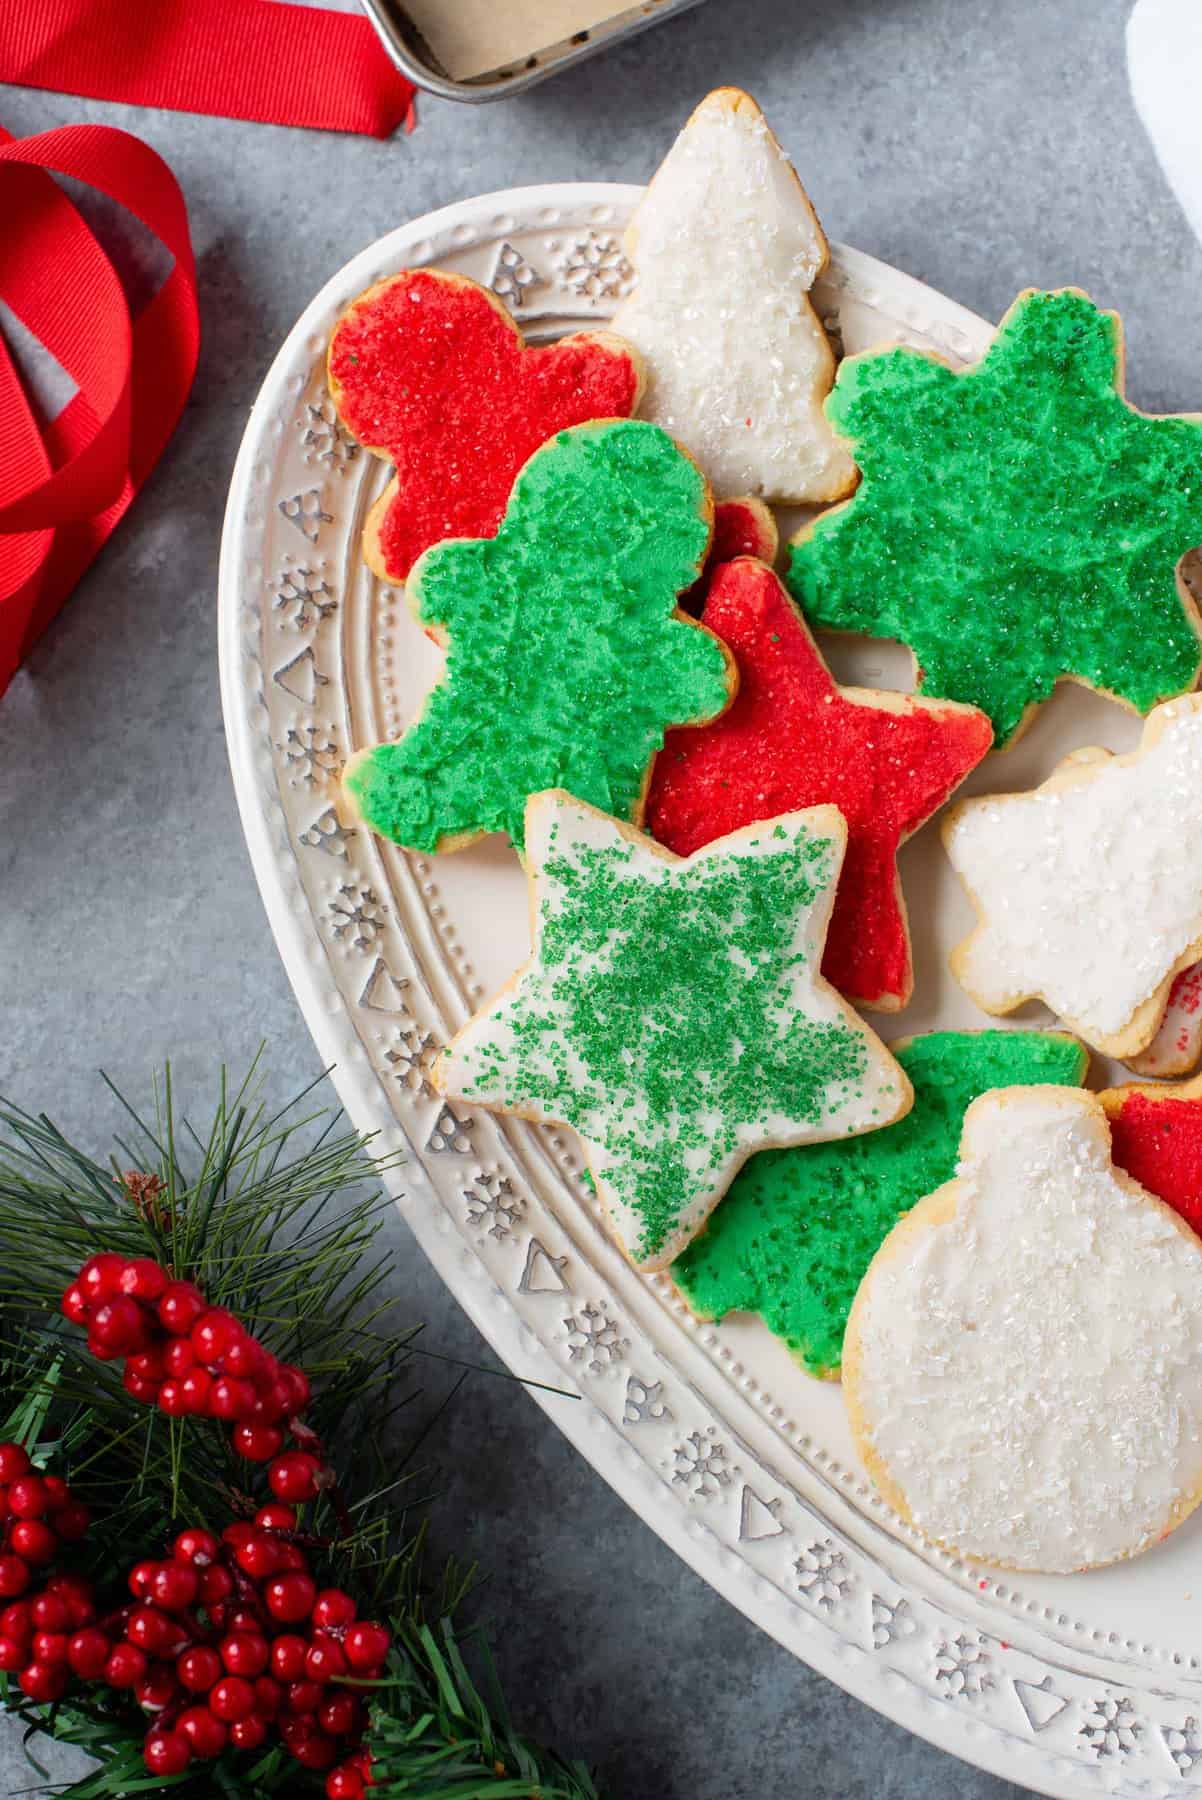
pixel 798 1228
pixel 1017 523
pixel 566 657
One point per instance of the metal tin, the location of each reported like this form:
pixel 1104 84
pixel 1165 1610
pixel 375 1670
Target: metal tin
pixel 404 45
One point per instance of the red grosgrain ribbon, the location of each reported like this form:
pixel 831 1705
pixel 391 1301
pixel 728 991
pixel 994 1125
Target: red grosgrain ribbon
pixel 270 60
pixel 64 486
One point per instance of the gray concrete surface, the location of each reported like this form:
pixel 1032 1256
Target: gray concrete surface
pixel 981 147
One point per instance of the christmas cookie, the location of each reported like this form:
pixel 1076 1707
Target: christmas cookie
pixel 429 372
pixel 794 738
pixel 1157 1137
pixel 793 1237
pixel 1089 889
pixel 1177 1045
pixel 1018 523
pixel 566 658
pixel 742 527
pixel 1013 1380
pixel 673 1013
pixel 727 247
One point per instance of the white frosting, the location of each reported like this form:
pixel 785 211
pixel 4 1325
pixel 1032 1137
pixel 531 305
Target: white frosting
pixel 615 1121
pixel 1030 1371
pixel 726 247
pixel 1089 894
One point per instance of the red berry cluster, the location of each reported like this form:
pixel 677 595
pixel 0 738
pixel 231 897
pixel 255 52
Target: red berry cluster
pixel 231 1638
pixel 190 1358
pixel 37 1516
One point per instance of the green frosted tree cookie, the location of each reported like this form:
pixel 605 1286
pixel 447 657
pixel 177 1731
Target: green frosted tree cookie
pixel 798 1228
pixel 566 660
pixel 1016 523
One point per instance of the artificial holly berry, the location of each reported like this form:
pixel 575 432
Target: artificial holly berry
pixel 196 1546
pixel 344 1783
pixel 333 1609
pixel 233 1697
pixel 88 1652
pixel 14 1576
pixel 205 1734
pixel 257 1442
pixel 248 1733
pixel 290 1597
pixel 366 1644
pixel 294 1476
pixel 43 1683
pixel 173 1586
pixel 126 1666
pixel 245 1653
pixel 166 1752
pixel 198 1668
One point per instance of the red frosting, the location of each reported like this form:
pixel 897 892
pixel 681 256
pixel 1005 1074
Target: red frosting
pixel 430 371
pixel 794 738
pixel 1159 1141
pixel 741 528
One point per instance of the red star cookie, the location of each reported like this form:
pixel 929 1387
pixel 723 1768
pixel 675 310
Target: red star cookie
pixel 1156 1135
pixel 430 372
pixel 742 527
pixel 794 738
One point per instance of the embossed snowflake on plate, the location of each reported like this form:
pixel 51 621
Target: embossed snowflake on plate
pixel 310 754
pixel 594 1339
pixel 304 597
pixel 701 1465
pixel 1111 1727
pixel 963 1667
pixel 324 437
pixel 594 266
pixel 823 1576
pixel 492 1205
pixel 410 1058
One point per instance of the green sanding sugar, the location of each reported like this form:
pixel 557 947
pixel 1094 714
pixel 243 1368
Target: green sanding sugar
pixel 798 1229
pixel 659 1018
pixel 565 664
pixel 1015 523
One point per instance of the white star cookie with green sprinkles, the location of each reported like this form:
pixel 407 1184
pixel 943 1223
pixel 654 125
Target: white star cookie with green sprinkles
pixel 674 1015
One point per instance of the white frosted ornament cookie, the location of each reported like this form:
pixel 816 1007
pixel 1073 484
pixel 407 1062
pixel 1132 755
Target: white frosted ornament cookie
pixel 726 247
pixel 1023 1361
pixel 1089 888
pixel 673 1012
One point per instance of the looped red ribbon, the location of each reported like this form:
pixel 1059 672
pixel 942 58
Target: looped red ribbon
pixel 66 484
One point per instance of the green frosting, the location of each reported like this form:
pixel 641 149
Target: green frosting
pixel 798 1229
pixel 658 1017
pixel 565 664
pixel 1015 523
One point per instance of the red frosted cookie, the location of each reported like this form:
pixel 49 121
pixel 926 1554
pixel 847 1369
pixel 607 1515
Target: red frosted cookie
pixel 430 372
pixel 1156 1135
pixel 742 527
pixel 793 738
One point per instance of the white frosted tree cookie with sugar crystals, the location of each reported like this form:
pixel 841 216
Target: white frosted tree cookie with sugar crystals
pixel 726 247
pixel 1089 888
pixel 1023 1361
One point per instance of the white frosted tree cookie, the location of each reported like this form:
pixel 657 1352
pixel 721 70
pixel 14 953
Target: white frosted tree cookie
pixel 1089 888
pixel 674 1014
pixel 1023 1361
pixel 727 246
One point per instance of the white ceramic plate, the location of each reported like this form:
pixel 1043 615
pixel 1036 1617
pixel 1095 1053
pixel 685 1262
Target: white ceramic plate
pixel 1076 1685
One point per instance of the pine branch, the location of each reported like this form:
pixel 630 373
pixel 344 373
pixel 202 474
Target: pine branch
pixel 277 1217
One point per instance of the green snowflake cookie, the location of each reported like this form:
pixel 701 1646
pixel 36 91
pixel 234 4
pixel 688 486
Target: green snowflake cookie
pixel 1016 523
pixel 798 1228
pixel 565 661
